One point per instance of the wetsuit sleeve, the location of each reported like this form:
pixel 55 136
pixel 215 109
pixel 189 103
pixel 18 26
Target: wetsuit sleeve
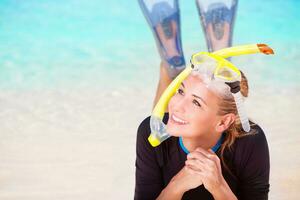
pixel 254 167
pixel 148 176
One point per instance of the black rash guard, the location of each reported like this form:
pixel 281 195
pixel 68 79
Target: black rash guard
pixel 248 161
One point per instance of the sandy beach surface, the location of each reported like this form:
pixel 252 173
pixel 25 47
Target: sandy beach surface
pixel 80 143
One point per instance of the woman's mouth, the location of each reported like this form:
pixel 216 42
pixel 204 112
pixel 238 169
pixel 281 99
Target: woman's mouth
pixel 177 120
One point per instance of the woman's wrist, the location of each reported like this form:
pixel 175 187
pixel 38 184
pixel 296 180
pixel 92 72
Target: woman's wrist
pixel 176 187
pixel 223 192
pixel 171 191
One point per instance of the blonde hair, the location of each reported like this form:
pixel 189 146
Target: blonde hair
pixel 235 130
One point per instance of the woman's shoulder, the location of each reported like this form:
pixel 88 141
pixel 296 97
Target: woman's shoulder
pixel 251 152
pixel 144 127
pixel 256 138
pixel 251 163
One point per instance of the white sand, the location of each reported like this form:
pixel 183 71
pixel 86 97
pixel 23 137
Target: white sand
pixel 80 143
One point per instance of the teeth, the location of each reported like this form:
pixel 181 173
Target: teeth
pixel 178 120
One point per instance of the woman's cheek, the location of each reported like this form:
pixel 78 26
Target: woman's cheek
pixel 205 122
pixel 171 103
pixel 197 121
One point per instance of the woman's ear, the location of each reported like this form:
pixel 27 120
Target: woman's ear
pixel 225 122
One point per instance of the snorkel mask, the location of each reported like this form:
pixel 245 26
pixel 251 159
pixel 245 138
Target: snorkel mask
pixel 219 75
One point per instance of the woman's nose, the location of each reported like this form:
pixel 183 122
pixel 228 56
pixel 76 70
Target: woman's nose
pixel 180 105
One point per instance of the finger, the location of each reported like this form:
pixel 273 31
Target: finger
pixel 189 169
pixel 197 155
pixel 216 159
pixel 201 157
pixel 210 154
pixel 205 165
pixel 192 167
pixel 211 151
pixel 194 164
pixel 207 153
pixel 200 166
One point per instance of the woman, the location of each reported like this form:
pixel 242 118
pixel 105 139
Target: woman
pixel 209 156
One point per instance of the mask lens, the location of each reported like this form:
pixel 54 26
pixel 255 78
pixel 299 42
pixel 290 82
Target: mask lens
pixel 202 58
pixel 227 74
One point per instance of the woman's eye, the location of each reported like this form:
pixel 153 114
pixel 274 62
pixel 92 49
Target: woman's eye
pixel 180 91
pixel 196 103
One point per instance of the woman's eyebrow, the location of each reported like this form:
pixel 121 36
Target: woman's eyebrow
pixel 199 98
pixel 182 84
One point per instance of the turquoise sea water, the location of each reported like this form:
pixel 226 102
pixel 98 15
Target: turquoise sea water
pixel 76 42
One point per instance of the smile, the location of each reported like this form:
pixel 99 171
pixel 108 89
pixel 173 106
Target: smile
pixel 177 120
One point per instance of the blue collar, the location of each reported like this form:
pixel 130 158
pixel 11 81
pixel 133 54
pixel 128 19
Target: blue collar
pixel 214 148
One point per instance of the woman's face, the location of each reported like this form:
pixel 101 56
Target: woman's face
pixel 193 110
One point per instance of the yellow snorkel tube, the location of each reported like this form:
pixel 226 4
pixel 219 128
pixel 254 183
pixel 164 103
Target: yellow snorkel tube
pixel 158 128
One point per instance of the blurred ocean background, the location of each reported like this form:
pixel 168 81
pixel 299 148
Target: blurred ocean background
pixel 53 43
pixel 77 77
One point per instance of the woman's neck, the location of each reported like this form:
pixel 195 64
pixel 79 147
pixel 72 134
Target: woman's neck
pixel 191 143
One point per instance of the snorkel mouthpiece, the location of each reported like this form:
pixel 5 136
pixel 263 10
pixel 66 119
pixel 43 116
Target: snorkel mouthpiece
pixel 158 133
pixel 158 127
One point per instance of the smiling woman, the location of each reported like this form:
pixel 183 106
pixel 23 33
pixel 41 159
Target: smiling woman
pixel 209 154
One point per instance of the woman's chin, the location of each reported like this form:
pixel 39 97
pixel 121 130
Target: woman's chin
pixel 173 131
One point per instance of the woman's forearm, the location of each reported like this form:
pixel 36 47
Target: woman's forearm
pixel 172 191
pixel 224 193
